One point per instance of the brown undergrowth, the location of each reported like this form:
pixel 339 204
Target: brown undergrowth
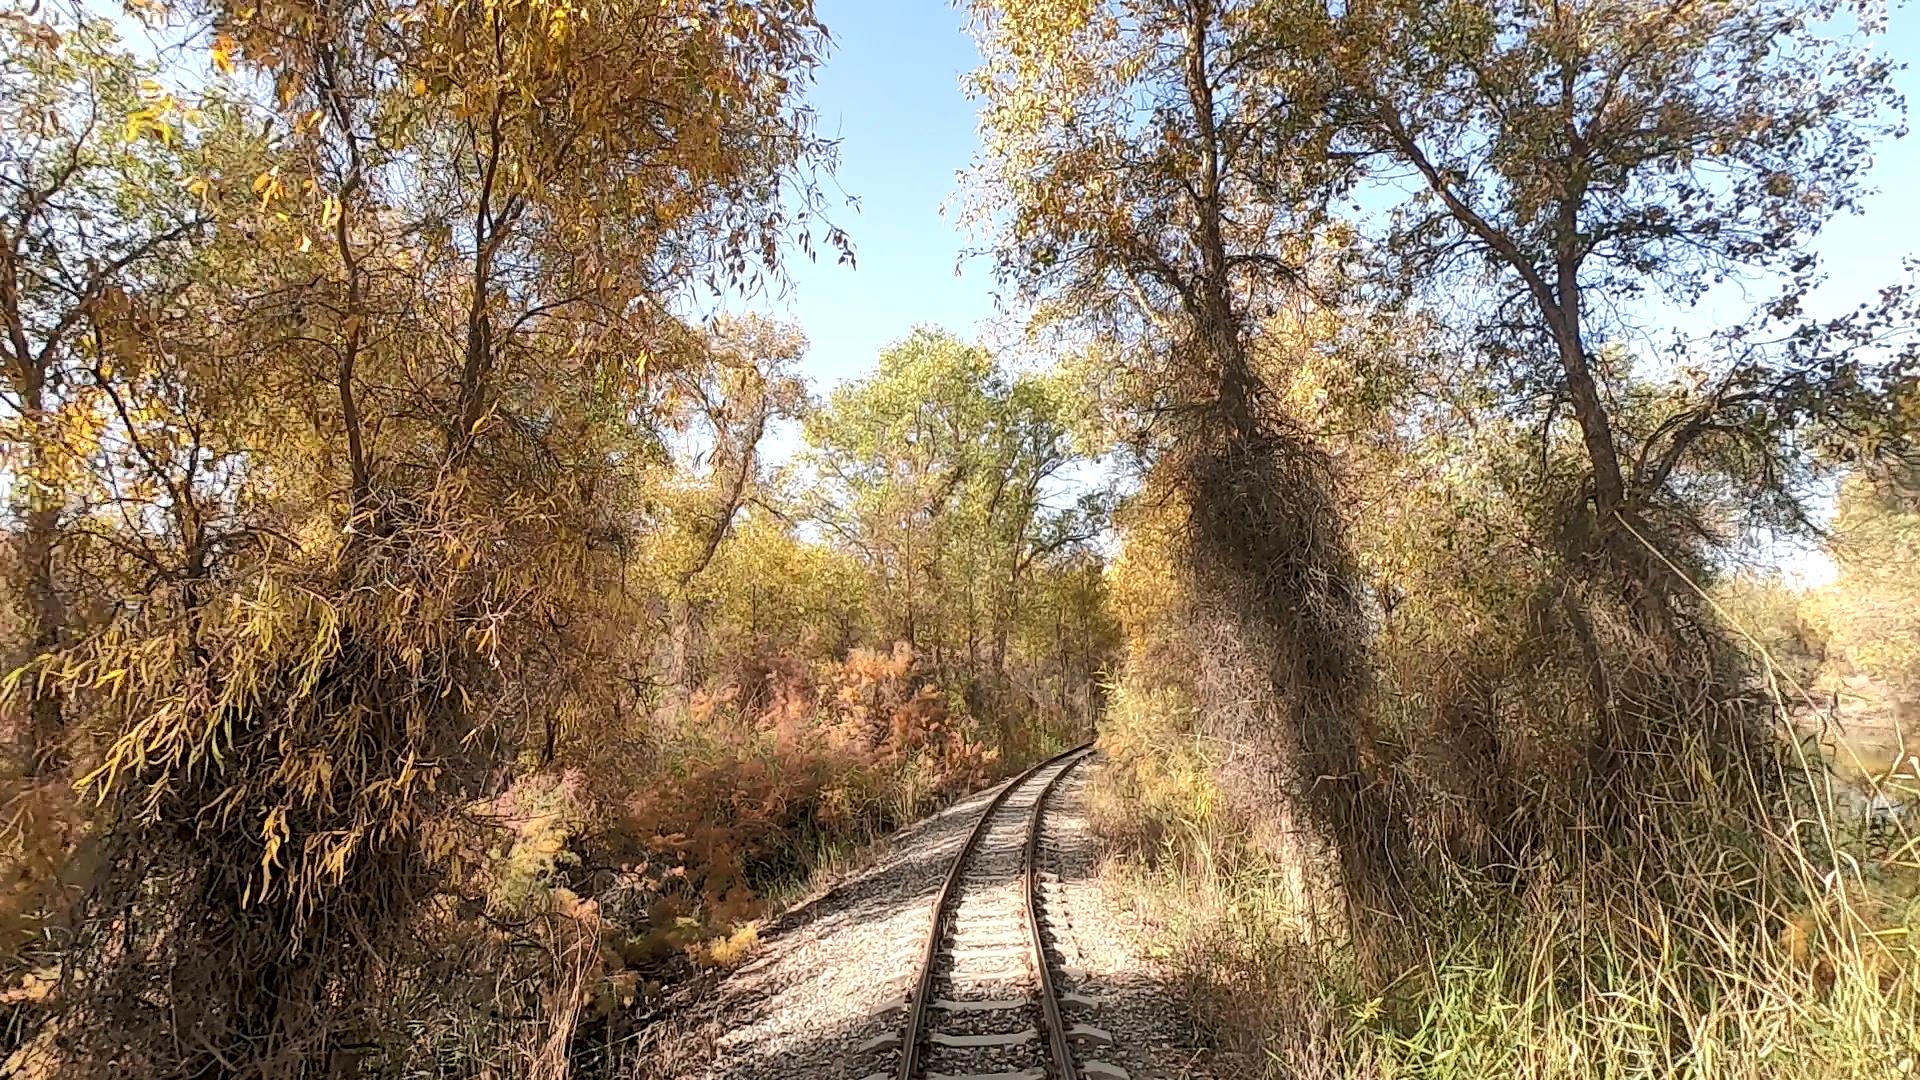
pixel 1626 863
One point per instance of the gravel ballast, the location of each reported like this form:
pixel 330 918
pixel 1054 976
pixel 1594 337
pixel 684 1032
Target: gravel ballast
pixel 826 989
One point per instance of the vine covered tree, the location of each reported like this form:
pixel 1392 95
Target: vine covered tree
pixel 1162 184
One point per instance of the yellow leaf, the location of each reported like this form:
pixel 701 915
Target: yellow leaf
pixel 273 833
pixel 223 54
pixel 267 185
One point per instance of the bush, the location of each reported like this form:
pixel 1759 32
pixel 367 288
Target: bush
pixel 1625 868
pixel 742 806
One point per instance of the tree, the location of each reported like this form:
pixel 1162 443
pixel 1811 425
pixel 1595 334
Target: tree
pixel 718 410
pixel 1595 157
pixel 1162 183
pixel 86 216
pixel 939 470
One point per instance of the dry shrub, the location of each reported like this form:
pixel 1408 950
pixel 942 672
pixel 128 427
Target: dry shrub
pixel 575 974
pixel 43 863
pixel 505 970
pixel 724 825
pixel 873 701
pixel 284 746
pixel 746 804
pixel 1570 714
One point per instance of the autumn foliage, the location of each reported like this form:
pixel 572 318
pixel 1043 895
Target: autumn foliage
pixel 434 626
pixel 391 663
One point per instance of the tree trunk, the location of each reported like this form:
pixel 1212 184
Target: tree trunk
pixel 1218 322
pixel 1596 428
pixel 47 617
pixel 1643 580
pixel 680 647
pixel 909 601
pixel 1060 652
pixel 46 613
pixel 1004 614
pixel 973 632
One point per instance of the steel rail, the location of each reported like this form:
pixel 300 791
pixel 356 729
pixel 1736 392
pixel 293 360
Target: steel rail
pixel 1049 1000
pixel 910 1036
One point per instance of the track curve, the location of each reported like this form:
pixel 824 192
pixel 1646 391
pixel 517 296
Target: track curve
pixel 984 1005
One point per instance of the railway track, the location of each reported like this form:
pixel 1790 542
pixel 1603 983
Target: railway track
pixel 986 1003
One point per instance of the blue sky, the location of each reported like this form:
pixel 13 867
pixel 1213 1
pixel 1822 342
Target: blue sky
pixel 1863 252
pixel 890 90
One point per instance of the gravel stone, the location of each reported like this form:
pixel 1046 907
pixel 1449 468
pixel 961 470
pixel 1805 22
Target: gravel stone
pixel 831 980
pixel 1097 949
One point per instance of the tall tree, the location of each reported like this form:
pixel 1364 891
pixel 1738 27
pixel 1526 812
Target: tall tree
pixel 1158 183
pixel 718 408
pixel 88 212
pixel 1159 179
pixel 1602 157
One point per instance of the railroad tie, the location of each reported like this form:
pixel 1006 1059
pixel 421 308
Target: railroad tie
pixel 992 1005
pixel 1090 1033
pixel 997 1038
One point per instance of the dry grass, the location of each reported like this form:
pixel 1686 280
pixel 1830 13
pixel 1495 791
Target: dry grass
pixel 1747 922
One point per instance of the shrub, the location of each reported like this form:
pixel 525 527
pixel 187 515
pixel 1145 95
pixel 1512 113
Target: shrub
pixel 1619 877
pixel 742 807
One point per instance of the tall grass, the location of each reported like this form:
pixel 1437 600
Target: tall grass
pixel 1600 965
